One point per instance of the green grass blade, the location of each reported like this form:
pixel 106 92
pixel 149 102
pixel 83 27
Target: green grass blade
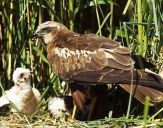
pixel 41 54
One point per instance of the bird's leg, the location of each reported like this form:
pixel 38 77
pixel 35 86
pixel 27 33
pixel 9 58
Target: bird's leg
pixel 78 98
pixel 91 108
pixel 74 111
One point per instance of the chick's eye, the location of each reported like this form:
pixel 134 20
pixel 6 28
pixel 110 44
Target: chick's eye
pixel 21 75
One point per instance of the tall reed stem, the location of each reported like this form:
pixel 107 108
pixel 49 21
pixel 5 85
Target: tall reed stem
pixel 111 20
pixel 71 15
pixel 140 46
pixel 9 46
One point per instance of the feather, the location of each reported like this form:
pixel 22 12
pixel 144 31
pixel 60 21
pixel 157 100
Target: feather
pixel 3 101
pixel 141 92
pixel 119 58
pixel 57 106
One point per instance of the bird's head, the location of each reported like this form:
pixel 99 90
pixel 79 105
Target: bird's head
pixel 21 77
pixel 48 30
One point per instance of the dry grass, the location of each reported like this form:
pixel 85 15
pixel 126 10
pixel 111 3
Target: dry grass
pixel 45 121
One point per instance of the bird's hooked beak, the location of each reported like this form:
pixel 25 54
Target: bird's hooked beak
pixel 36 36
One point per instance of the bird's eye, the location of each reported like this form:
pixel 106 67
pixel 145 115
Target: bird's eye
pixel 46 30
pixel 21 75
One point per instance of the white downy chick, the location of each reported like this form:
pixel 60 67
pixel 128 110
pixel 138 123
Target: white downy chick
pixel 57 107
pixel 22 95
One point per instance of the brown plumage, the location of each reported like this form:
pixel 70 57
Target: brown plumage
pixel 89 59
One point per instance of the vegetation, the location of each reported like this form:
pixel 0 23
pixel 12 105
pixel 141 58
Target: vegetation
pixel 137 24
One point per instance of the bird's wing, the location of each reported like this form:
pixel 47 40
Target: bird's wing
pixel 76 57
pixel 140 93
pixel 37 94
pixel 4 99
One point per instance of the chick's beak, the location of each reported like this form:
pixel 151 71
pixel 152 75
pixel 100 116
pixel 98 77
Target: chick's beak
pixel 27 76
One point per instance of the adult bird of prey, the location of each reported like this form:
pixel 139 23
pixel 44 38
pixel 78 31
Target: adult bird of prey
pixel 88 59
pixel 24 98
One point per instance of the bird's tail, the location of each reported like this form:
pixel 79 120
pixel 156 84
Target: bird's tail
pixel 141 92
pixel 148 84
pixel 150 79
